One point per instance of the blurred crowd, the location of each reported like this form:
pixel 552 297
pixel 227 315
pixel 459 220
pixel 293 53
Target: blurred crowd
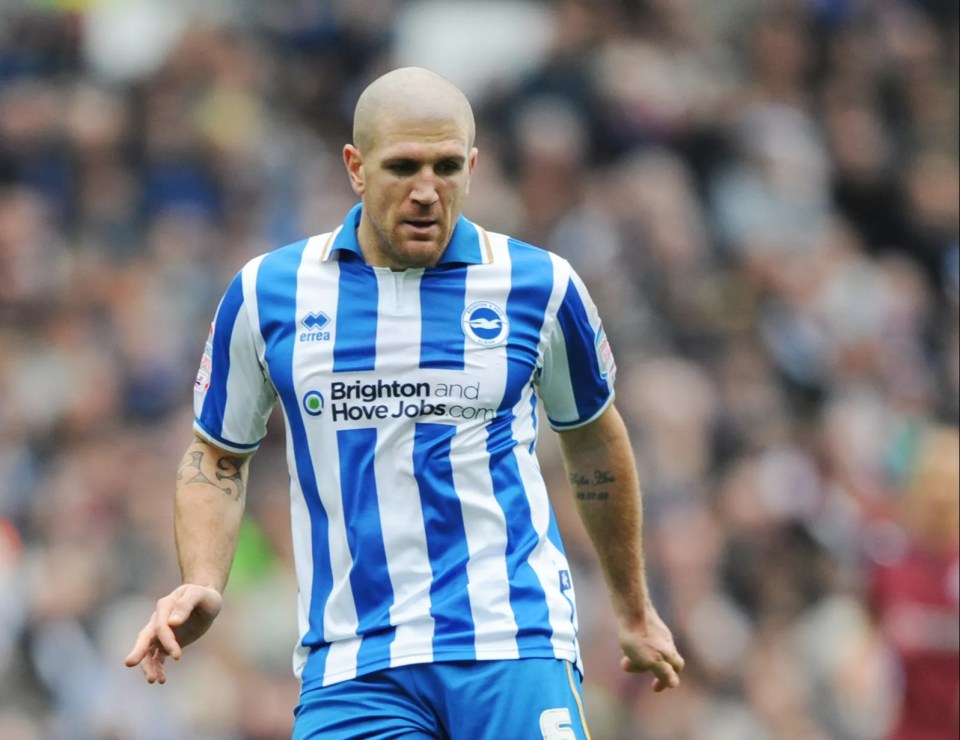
pixel 762 196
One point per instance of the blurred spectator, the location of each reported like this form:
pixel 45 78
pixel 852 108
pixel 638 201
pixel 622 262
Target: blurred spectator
pixel 915 593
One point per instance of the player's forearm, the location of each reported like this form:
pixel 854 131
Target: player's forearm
pixel 603 477
pixel 210 495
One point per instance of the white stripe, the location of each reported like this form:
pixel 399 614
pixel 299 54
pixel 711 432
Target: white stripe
pixel 488 584
pixel 301 529
pixel 405 543
pixel 303 563
pixel 317 284
pixel 342 659
pixel 556 386
pixel 300 536
pixel 563 616
pixel 546 560
pixel 401 515
pixel 245 383
pixel 250 273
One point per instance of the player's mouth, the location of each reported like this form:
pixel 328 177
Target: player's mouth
pixel 422 228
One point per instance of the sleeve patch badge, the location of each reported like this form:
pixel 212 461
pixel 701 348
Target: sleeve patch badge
pixel 608 366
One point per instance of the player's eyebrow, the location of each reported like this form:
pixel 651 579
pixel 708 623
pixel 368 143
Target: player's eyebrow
pixel 458 158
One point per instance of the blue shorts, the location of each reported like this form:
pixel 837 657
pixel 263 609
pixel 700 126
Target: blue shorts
pixel 483 700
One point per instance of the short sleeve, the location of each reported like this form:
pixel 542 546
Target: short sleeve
pixel 577 376
pixel 232 396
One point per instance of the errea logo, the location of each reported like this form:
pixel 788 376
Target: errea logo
pixel 485 323
pixel 316 324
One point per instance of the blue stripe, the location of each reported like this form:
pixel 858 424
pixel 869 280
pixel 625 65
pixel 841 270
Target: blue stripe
pixel 277 301
pixel 356 339
pixel 464 245
pixel 527 598
pixel 590 389
pixel 442 296
pixel 215 401
pixel 536 423
pixel 447 543
pixel 531 285
pixel 347 236
pixel 553 534
pixel 374 654
pixel 369 577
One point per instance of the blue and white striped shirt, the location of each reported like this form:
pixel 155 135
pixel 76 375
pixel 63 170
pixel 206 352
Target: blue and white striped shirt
pixel 421 525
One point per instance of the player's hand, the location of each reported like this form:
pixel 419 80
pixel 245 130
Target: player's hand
pixel 649 647
pixel 180 618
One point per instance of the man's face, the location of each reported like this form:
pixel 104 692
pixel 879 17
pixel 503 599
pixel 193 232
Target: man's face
pixel 412 179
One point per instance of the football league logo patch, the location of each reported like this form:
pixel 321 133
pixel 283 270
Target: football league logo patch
pixel 485 323
pixel 608 367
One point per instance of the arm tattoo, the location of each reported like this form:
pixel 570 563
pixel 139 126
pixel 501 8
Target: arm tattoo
pixel 191 469
pixel 229 473
pixel 592 495
pixel 231 469
pixel 600 478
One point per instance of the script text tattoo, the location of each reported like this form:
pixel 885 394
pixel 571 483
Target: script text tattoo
pixel 599 478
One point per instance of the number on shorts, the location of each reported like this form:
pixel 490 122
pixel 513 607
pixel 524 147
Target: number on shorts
pixel 555 724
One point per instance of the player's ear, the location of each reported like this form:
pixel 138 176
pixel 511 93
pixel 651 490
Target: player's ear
pixel 354 162
pixel 471 163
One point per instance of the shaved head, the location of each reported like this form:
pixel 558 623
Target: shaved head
pixel 409 95
pixel 410 162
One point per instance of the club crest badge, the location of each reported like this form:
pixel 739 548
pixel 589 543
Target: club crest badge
pixel 485 323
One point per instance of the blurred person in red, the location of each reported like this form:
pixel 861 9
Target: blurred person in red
pixel 914 595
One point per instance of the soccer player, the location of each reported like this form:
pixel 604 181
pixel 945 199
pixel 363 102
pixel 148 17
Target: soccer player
pixel 409 349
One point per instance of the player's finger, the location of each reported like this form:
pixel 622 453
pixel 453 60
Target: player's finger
pixel 134 656
pixel 141 647
pixel 148 667
pixel 161 673
pixel 666 676
pixel 677 662
pixel 163 632
pixel 183 606
pixel 152 666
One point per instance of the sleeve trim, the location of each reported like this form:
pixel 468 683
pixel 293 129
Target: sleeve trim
pixel 562 426
pixel 219 441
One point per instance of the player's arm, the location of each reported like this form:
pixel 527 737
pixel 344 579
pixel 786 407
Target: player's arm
pixel 210 496
pixel 209 500
pixel 600 466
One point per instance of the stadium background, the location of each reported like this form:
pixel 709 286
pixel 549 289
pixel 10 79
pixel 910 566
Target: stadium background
pixel 762 197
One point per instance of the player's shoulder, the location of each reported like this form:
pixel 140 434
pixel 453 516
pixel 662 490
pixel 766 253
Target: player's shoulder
pixel 296 248
pixel 517 244
pixel 292 251
pixel 530 253
pixel 529 263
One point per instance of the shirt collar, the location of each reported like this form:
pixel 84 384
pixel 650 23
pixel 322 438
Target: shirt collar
pixel 468 246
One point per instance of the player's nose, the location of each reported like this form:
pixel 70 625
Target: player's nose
pixel 425 187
